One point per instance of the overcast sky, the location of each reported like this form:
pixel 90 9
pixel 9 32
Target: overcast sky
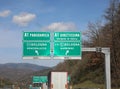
pixel 17 16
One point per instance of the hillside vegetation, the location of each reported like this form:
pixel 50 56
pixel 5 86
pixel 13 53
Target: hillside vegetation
pixel 15 73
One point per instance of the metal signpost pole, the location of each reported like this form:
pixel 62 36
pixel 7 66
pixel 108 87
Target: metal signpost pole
pixel 106 51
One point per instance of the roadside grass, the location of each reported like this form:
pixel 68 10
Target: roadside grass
pixel 89 84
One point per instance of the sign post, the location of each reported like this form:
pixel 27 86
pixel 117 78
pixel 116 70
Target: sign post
pixel 67 45
pixel 36 45
pixel 106 51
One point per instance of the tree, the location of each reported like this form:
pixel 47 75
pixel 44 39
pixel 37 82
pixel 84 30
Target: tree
pixel 113 21
pixel 94 34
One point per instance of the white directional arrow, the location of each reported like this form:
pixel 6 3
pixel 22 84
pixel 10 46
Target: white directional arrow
pixel 36 51
pixel 67 51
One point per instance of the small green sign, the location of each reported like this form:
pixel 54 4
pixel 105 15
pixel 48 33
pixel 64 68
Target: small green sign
pixel 40 79
pixel 43 79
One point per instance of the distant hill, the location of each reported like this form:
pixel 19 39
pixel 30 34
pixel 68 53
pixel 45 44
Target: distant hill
pixel 14 71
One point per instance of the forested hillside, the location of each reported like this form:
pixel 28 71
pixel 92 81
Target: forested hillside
pixel 99 34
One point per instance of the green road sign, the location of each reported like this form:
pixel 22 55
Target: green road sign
pixel 67 45
pixel 36 45
pixel 40 79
